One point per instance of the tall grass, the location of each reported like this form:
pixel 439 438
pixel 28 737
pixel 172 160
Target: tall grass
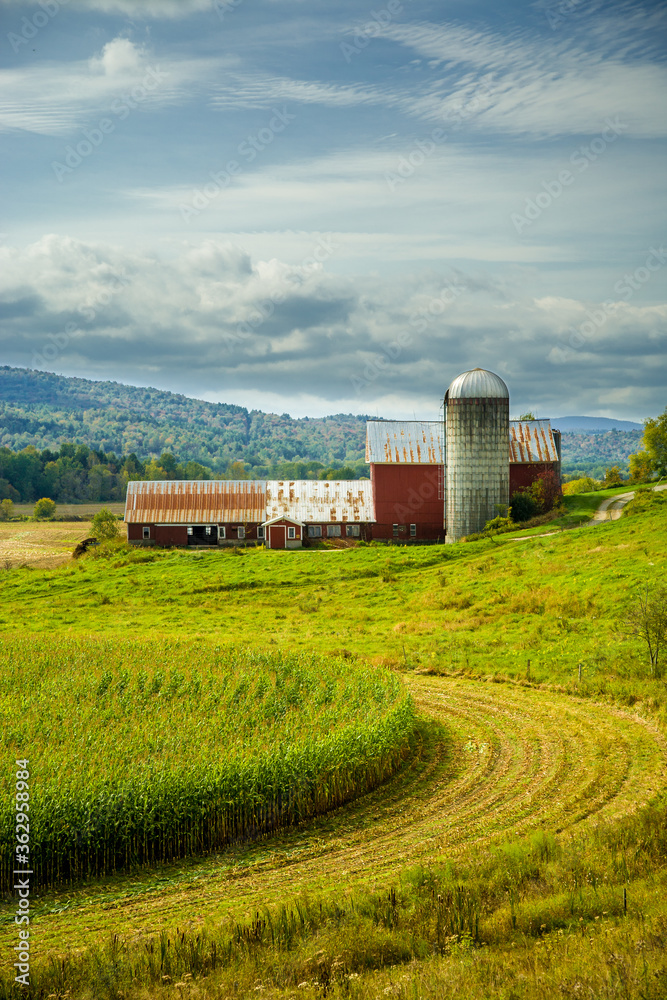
pixel 148 752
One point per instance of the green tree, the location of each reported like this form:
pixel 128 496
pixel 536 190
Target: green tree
pixel 612 477
pixel 6 510
pixel 655 442
pixel 104 526
pixel 641 467
pixel 528 416
pixel 45 509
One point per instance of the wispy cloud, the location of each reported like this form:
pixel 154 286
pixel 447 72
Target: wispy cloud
pixel 54 98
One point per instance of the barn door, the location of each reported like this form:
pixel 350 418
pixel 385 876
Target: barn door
pixel 277 536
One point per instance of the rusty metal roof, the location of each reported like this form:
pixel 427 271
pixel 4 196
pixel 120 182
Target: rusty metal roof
pixel 414 442
pixel 195 502
pixel 320 500
pixel 532 441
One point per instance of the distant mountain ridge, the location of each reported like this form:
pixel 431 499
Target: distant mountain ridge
pixel 593 424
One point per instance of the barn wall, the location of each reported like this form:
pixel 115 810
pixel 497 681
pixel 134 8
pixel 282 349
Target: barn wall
pixel 171 534
pixel 524 475
pixel 408 494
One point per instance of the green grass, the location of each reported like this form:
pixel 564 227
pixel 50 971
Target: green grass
pixel 483 607
pixel 492 867
pixel 142 753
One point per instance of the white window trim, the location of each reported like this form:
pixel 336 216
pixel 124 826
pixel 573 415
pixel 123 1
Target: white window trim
pixel 240 532
pixel 146 531
pixel 260 531
pixel 222 531
pixel 413 531
pixel 291 533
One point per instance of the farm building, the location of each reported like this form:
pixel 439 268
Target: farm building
pixel 430 480
pixel 280 515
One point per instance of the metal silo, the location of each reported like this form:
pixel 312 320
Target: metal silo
pixel 477 451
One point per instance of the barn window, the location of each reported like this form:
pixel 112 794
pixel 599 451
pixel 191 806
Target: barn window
pixel 208 529
pixel 314 530
pixel 413 531
pixel 222 531
pixel 333 530
pixel 146 532
pixel 352 530
pixel 260 531
pixel 395 530
pixel 291 532
pixel 240 532
pixel 189 529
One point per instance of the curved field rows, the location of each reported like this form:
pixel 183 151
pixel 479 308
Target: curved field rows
pixel 511 760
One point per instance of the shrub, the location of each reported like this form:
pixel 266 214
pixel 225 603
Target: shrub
pixel 104 526
pixel 584 485
pixel 522 506
pixel 498 524
pixel 6 510
pixel 45 509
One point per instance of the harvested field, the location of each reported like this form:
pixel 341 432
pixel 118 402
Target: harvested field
pixel 511 762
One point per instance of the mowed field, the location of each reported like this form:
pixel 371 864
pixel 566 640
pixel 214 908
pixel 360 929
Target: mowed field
pixel 47 543
pixel 492 864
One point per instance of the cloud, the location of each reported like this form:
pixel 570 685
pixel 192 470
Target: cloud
pixel 53 98
pixel 212 321
pixel 136 9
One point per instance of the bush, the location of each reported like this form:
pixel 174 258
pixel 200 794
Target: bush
pixel 522 506
pixel 585 485
pixel 104 526
pixel 498 524
pixel 646 502
pixel 45 509
pixel 6 510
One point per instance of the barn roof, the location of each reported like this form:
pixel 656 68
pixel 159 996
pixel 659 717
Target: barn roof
pixel 532 441
pixel 421 442
pixel 320 500
pixel 414 442
pixel 195 502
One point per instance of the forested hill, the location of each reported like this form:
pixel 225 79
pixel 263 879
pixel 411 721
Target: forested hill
pixel 45 410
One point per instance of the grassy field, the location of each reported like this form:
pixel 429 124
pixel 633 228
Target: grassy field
pixel 493 865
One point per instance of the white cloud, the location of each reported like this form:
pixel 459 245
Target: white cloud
pixel 53 98
pixel 167 9
pixel 119 57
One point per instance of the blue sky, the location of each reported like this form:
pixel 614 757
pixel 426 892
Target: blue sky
pixel 324 207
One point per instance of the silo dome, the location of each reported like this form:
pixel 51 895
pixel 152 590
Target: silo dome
pixel 478 384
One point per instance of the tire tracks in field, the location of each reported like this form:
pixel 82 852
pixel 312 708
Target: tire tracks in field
pixel 492 761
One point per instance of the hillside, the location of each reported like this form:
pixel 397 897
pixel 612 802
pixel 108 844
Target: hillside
pixel 523 841
pixel 47 410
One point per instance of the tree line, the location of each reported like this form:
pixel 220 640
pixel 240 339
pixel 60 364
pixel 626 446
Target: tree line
pixel 76 473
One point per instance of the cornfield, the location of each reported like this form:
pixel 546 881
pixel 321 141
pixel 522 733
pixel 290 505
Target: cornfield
pixel 147 752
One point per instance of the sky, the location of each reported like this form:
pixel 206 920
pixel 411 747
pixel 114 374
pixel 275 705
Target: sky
pixel 324 207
